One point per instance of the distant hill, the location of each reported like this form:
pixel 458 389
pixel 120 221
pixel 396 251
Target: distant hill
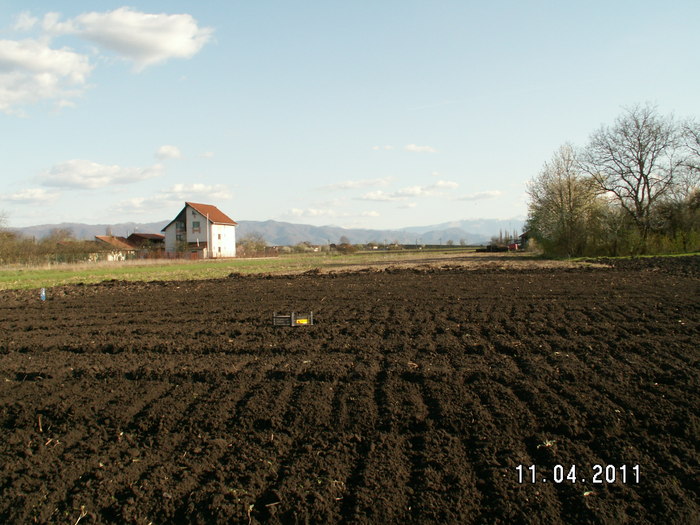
pixel 88 231
pixel 284 233
pixel 476 226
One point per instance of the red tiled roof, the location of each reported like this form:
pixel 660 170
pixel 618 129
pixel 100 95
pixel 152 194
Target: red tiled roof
pixel 116 242
pixel 215 214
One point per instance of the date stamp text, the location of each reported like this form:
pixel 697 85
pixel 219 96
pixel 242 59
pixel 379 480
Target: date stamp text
pixel 596 474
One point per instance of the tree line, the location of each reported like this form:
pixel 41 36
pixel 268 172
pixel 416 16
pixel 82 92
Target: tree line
pixel 633 189
pixel 59 246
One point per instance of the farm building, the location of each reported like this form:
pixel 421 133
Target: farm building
pixel 115 248
pixel 137 245
pixel 202 229
pixel 146 240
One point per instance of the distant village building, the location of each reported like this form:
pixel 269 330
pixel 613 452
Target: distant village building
pixel 146 240
pixel 114 248
pixel 202 229
pixel 137 245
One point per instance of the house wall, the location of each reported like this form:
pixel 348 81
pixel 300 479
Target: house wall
pixel 170 241
pixel 116 256
pixel 223 240
pixel 193 235
pixel 171 232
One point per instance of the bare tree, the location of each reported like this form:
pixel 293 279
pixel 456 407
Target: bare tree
pixel 691 139
pixel 60 235
pixel 637 161
pixel 688 181
pixel 253 244
pixel 563 205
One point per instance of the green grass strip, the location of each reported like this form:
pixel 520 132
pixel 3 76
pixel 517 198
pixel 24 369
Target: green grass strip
pixel 173 270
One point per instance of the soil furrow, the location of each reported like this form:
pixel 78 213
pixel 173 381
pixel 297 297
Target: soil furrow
pixel 420 395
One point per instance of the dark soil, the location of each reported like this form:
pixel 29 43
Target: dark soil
pixel 686 265
pixel 413 399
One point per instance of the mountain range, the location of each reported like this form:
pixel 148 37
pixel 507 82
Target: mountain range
pixel 475 231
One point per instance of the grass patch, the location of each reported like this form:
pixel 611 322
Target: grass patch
pixel 172 270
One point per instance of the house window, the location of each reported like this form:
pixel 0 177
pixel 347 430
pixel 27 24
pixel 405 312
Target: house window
pixel 179 237
pixel 195 227
pixel 219 249
pixel 219 236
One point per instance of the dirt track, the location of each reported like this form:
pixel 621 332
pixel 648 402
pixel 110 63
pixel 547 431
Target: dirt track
pixel 412 399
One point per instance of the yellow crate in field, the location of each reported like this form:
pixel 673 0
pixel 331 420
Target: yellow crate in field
pixel 292 319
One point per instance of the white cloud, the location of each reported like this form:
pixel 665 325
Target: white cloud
pixel 446 184
pixel 433 190
pixel 24 21
pixel 420 149
pixel 31 196
pixel 65 104
pixel 413 191
pixel 168 152
pixel 311 213
pixel 386 147
pixel 355 184
pixel 192 192
pixel 135 205
pixel 85 174
pixel 176 194
pixel 408 205
pixel 51 24
pixel 380 195
pixel 481 195
pixel 332 203
pixel 207 155
pixel 31 71
pixel 143 38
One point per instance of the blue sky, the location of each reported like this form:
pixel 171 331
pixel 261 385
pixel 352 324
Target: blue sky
pixel 377 114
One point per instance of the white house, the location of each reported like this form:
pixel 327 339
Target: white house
pixel 203 229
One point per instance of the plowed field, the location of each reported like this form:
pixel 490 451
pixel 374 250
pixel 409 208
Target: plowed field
pixel 412 399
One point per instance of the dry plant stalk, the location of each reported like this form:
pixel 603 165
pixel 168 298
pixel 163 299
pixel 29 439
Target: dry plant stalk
pixel 83 513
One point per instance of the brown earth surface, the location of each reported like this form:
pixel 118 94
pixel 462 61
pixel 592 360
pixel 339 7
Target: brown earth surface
pixel 412 399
